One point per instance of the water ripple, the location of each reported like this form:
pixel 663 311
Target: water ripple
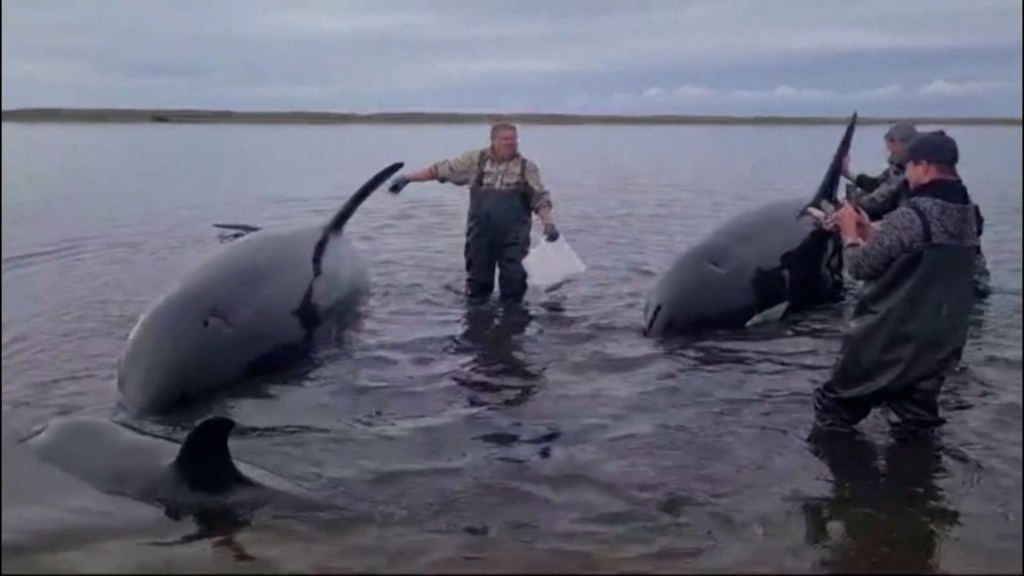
pixel 561 429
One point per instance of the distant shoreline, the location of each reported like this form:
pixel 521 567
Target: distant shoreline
pixel 190 116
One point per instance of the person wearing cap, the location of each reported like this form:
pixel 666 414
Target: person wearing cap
pixel 909 325
pixel 505 190
pixel 879 195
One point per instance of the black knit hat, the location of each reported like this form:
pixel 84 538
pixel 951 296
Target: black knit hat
pixel 933 148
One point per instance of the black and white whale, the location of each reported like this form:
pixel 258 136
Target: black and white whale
pixel 197 478
pixel 254 307
pixel 756 267
pixel 46 510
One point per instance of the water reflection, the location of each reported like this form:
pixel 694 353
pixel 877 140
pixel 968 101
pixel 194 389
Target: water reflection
pixel 977 321
pixel 496 371
pixel 219 524
pixel 888 520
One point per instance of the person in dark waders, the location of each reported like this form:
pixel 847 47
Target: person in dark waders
pixel 505 190
pixel 910 323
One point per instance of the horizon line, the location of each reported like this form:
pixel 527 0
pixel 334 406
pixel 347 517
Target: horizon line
pixel 212 115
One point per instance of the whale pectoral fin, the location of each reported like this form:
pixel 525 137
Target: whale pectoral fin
pixel 773 314
pixel 204 460
pixel 246 228
pixel 652 320
pixel 771 286
pixel 239 230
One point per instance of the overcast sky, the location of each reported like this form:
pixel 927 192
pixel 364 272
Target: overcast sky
pixel 682 56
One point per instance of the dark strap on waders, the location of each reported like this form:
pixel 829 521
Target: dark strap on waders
pixel 926 226
pixel 527 190
pixel 478 181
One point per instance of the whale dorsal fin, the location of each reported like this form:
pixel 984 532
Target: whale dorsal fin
pixel 204 460
pixel 342 216
pixel 828 190
pixel 306 311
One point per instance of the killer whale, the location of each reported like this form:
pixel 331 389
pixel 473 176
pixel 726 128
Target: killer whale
pixel 46 510
pixel 758 266
pixel 197 478
pixel 252 308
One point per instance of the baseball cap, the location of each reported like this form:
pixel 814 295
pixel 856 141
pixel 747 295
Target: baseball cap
pixel 934 148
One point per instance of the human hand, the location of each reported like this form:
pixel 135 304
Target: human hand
pixel 397 183
pixel 847 216
pixel 851 222
pixel 865 227
pixel 551 232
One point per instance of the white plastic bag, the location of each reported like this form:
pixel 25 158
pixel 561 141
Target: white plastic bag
pixel 551 263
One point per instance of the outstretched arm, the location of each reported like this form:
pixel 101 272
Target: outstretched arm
pixel 866 182
pixel 421 175
pixel 863 181
pixel 458 171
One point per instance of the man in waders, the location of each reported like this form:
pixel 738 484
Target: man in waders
pixel 910 323
pixel 880 195
pixel 505 190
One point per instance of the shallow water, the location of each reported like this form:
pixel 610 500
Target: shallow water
pixel 469 441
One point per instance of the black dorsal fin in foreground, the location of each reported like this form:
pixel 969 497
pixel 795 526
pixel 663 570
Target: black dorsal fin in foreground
pixel 204 460
pixel 343 215
pixel 828 190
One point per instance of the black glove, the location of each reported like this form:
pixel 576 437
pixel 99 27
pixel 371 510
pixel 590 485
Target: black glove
pixel 397 183
pixel 550 232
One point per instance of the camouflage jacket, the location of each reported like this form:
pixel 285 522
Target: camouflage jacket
pixel 879 195
pixel 502 175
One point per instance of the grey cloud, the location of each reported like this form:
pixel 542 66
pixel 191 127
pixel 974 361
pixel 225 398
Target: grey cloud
pixel 364 54
pixel 783 93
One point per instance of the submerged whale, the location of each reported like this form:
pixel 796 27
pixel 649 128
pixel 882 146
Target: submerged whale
pixel 197 478
pixel 46 510
pixel 252 308
pixel 756 267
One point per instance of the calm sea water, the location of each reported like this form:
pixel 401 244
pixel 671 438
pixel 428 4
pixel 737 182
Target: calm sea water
pixel 469 441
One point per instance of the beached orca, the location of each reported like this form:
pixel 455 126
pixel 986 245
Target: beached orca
pixel 757 267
